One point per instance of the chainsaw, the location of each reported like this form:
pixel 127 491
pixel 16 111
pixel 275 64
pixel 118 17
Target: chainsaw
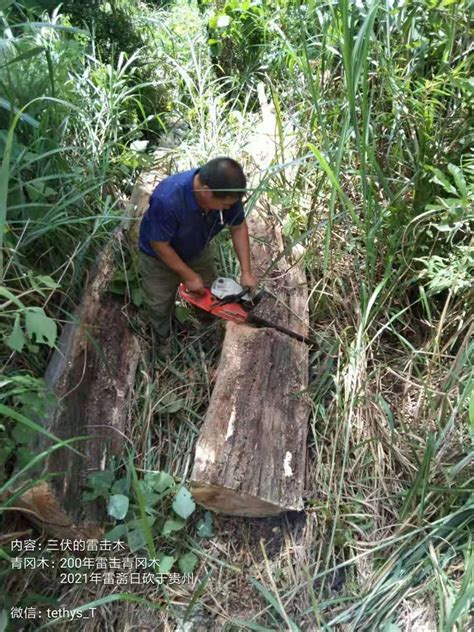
pixel 228 300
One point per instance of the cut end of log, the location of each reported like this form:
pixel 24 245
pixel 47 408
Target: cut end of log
pixel 41 506
pixel 232 503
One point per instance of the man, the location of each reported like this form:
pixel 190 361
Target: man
pixel 186 211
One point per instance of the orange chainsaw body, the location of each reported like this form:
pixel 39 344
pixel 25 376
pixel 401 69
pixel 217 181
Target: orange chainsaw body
pixel 229 308
pixel 209 303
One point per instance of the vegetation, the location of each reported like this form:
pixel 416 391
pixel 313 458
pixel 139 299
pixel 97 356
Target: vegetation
pixel 378 95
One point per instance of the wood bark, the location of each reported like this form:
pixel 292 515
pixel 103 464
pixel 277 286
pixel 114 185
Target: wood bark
pixel 92 376
pixel 250 455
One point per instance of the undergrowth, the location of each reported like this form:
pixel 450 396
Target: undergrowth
pixel 377 187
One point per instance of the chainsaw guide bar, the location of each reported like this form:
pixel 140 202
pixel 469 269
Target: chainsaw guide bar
pixel 228 300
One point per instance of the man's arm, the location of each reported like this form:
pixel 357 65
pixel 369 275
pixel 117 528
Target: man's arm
pixel 240 239
pixel 170 258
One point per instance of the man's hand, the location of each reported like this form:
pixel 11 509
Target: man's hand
pixel 194 284
pixel 248 280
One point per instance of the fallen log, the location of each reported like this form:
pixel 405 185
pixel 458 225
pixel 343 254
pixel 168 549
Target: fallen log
pixel 250 455
pixel 91 374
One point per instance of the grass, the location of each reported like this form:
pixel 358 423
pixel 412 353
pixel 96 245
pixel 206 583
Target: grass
pixel 379 195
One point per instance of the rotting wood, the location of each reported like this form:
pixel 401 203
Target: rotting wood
pixel 250 455
pixel 92 375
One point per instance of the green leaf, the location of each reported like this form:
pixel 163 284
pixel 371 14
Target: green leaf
pixel 100 483
pixel 288 226
pixel 101 479
pixel 48 282
pixel 391 627
pixel 159 481
pixel 116 533
pixel 172 524
pixel 187 562
pixel 150 498
pixel 11 297
pixel 137 296
pixel 27 54
pixel 467 85
pixel 166 563
pixel 10 413
pixel 26 118
pixel 183 504
pixel 137 523
pixel 171 405
pixel 326 167
pixel 23 456
pixel 121 486
pixel 4 183
pixel 16 339
pixel 204 526
pixel 459 179
pixel 136 540
pixel 22 434
pixel 182 314
pixel 442 180
pixel 146 521
pixel 51 25
pixel 118 506
pixel 117 288
pixel 35 190
pixel 4 619
pixel 175 406
pixel 6 448
pixel 4 4
pixel 41 326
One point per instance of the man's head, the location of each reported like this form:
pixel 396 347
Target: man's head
pixel 219 184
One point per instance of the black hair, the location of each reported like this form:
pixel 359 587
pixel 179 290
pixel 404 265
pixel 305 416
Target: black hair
pixel 224 176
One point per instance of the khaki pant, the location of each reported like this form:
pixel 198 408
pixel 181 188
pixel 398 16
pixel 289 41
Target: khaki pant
pixel 159 285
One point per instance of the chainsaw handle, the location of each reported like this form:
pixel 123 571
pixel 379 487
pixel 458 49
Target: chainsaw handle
pixel 232 297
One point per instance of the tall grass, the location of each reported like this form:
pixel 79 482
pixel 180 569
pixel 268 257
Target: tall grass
pixel 378 95
pixel 67 126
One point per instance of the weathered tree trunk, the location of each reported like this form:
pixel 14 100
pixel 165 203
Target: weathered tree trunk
pixel 250 455
pixel 92 375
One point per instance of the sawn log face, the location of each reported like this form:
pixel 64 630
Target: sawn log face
pixel 250 456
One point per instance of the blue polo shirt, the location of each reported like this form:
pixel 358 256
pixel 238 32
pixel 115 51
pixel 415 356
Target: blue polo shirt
pixel 174 216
